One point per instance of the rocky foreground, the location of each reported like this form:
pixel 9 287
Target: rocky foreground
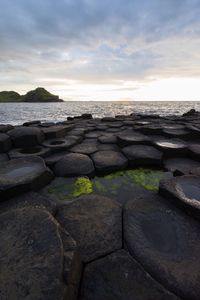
pixel 144 246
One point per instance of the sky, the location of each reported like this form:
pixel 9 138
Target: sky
pixel 102 50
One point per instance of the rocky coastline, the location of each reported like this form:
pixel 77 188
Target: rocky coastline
pixel 101 209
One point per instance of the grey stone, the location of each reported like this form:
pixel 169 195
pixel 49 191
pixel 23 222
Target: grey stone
pixel 95 224
pixel 74 164
pixel 119 277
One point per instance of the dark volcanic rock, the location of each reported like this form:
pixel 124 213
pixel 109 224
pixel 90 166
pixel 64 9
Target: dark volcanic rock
pixel 3 158
pixel 108 147
pixel 62 144
pixel 57 131
pixel 21 175
pixel 180 166
pixel 119 277
pixel 194 151
pixel 171 147
pixel 5 142
pixel 166 242
pixel 54 158
pixel 23 136
pixel 27 152
pixel 5 128
pixel 74 164
pixel 139 155
pixel 107 139
pixel 109 161
pixel 84 148
pixel 29 200
pixel 94 222
pixel 132 138
pixel 38 260
pixel 184 191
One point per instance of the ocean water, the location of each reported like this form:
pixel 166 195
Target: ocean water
pixel 18 113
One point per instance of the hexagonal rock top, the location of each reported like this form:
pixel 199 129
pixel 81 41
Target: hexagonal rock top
pixel 180 166
pixel 166 242
pixel 171 147
pixel 84 148
pixel 23 136
pixel 109 161
pixel 132 138
pixel 21 175
pixel 38 259
pixel 139 155
pixel 74 164
pixel 119 276
pixel 5 142
pixel 183 191
pixel 95 224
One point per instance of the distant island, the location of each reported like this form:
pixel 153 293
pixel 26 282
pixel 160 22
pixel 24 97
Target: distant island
pixel 37 95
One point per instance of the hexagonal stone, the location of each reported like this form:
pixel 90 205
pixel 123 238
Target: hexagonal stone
pixel 140 155
pixel 166 242
pixel 108 139
pixel 180 166
pixel 3 158
pixel 85 148
pixel 51 160
pixel 27 152
pixel 29 200
pixel 5 127
pixel 95 224
pixel 109 161
pixel 62 144
pixel 183 191
pixel 56 131
pixel 93 134
pixel 119 276
pixel 74 164
pixel 38 259
pixel 21 175
pixel 171 147
pixel 177 133
pixel 5 142
pixel 194 151
pixel 108 147
pixel 132 138
pixel 23 137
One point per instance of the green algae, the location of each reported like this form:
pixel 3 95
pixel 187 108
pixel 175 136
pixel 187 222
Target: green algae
pixel 82 186
pixel 118 185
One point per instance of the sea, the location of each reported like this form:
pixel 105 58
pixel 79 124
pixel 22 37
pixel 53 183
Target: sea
pixel 18 113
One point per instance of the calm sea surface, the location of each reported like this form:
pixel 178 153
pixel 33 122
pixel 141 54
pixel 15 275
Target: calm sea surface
pixel 17 113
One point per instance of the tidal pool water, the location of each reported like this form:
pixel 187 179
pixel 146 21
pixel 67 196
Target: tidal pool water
pixel 119 185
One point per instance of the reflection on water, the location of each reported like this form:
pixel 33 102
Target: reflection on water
pixel 17 113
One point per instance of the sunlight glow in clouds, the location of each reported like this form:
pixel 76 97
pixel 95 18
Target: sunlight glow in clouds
pixel 102 50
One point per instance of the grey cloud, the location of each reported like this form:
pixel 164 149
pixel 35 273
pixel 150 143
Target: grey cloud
pixel 90 40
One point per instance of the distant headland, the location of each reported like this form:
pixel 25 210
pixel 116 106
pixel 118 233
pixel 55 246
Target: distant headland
pixel 37 95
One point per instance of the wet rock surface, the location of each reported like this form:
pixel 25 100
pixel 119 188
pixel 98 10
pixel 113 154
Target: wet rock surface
pixel 74 164
pixel 35 253
pixel 117 277
pixel 95 222
pixel 184 191
pixel 166 242
pixel 22 175
pixel 23 136
pixel 109 161
pixel 139 155
pixel 94 208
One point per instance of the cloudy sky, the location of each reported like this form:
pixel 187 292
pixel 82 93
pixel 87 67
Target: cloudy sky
pixel 102 50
